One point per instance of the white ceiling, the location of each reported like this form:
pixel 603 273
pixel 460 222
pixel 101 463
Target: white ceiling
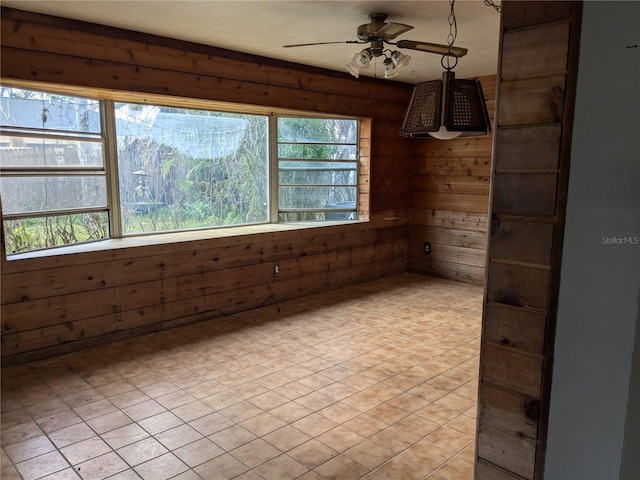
pixel 262 27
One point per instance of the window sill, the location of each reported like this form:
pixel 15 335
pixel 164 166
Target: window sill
pixel 176 237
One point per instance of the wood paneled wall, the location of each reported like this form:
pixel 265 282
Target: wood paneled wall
pixel 450 203
pixel 536 95
pixel 60 303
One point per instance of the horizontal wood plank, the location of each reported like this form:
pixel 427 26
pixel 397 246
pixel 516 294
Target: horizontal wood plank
pixel 448 236
pixel 454 202
pixel 525 194
pixel 518 286
pixel 523 13
pixel 462 147
pixel 453 184
pixel 448 270
pixel 522 241
pixel 532 101
pixel 458 255
pixel 531 147
pixel 449 219
pixel 504 367
pixel 515 327
pixel 535 52
pixel 472 166
pixel 488 471
pixel 510 410
pixel 506 449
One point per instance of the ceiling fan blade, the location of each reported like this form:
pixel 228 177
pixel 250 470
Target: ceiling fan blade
pixel 432 48
pixel 320 43
pixel 391 30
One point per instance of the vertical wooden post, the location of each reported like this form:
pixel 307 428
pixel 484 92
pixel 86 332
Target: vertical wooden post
pixel 536 93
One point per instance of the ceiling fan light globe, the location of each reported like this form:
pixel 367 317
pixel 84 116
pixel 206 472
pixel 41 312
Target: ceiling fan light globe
pixel 400 59
pixel 353 70
pixel 390 69
pixel 363 58
pixel 389 75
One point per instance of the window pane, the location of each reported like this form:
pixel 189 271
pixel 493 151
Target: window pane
pixel 182 169
pixel 313 130
pixel 37 152
pixel 312 165
pixel 32 109
pixel 41 193
pixel 317 197
pixel 294 173
pixel 320 151
pixel 312 181
pixel 33 233
pixel 307 216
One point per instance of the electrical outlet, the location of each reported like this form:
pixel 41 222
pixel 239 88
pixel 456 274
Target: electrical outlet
pixel 276 269
pixel 427 248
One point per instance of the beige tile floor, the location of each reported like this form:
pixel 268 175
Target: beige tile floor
pixel 374 381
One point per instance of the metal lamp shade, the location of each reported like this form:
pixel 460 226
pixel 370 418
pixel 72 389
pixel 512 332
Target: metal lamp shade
pixel 458 105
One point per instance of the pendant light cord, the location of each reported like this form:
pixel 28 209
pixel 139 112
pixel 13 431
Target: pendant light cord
pixel 489 3
pixel 451 38
pixel 453 26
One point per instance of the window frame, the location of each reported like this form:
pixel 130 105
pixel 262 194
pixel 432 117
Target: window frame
pixel 277 159
pixel 113 140
pixel 107 100
pixel 52 171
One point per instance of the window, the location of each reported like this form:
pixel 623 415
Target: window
pixel 317 169
pixel 53 183
pixel 182 169
pixel 76 169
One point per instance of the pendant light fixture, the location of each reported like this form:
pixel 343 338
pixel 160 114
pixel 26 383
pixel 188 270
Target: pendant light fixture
pixel 448 108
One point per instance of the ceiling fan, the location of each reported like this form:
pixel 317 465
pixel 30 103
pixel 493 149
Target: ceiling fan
pixel 378 33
